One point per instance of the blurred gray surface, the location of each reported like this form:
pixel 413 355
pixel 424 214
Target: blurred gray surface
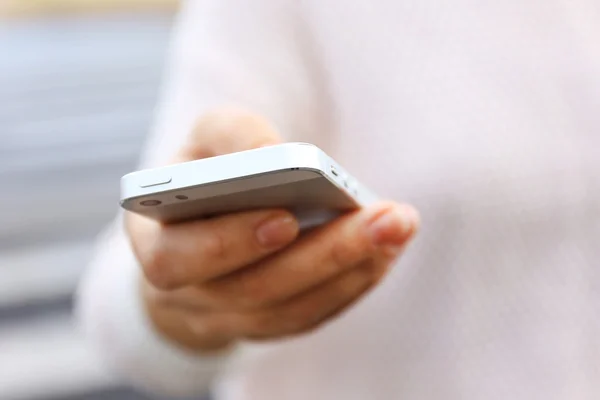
pixel 76 100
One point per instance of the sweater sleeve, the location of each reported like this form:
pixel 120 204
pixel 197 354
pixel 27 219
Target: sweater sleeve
pixel 249 54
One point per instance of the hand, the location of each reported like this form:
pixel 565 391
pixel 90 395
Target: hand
pixel 209 283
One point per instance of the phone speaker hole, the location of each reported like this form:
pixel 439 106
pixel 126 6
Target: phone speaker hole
pixel 181 197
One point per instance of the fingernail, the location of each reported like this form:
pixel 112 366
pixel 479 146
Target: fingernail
pixel 277 231
pixel 392 228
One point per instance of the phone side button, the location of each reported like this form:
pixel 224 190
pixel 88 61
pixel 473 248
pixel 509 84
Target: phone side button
pixel 154 182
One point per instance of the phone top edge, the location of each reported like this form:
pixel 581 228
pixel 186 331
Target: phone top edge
pixel 263 150
pixel 264 160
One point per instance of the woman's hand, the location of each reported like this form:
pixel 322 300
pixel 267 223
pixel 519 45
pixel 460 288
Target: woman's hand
pixel 248 275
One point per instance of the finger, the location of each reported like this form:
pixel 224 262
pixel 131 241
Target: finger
pixel 193 252
pixel 227 131
pixel 198 331
pixel 345 243
pixel 308 311
pixel 208 329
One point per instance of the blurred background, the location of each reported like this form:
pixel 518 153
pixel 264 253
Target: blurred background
pixel 78 83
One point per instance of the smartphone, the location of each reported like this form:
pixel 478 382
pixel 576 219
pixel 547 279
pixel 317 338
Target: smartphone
pixel 299 177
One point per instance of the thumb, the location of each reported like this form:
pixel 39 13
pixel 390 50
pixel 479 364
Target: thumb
pixel 227 131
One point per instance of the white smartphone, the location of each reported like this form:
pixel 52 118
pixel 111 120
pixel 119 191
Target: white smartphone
pixel 299 177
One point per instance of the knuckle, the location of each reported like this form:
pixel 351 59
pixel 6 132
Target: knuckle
pixel 281 324
pixel 293 321
pixel 214 246
pixel 157 297
pixel 237 119
pixel 241 292
pixel 342 255
pixel 274 322
pixel 233 119
pixel 267 322
pixel 253 294
pixel 155 262
pixel 349 248
pixel 226 125
pixel 296 324
pixel 265 133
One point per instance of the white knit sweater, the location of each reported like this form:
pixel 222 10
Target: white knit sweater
pixel 484 114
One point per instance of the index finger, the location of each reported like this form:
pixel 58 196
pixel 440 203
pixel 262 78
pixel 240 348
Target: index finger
pixel 193 252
